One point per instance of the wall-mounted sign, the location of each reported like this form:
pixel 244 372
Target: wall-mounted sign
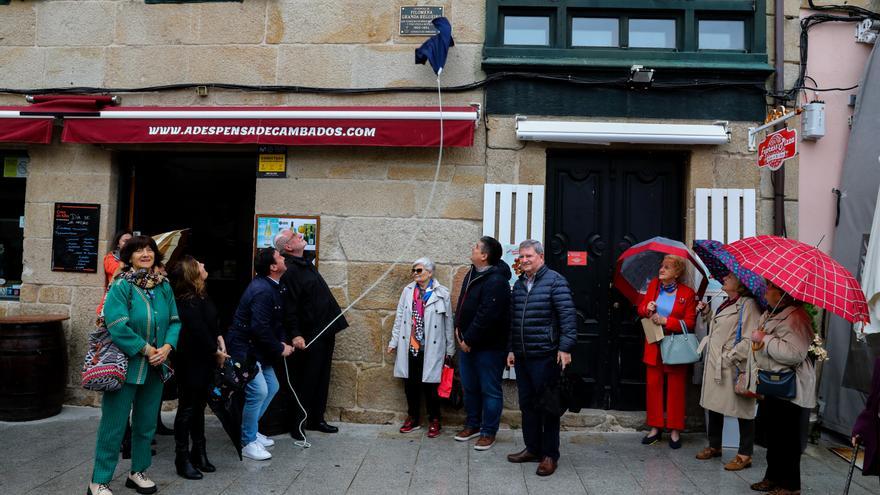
pixel 577 258
pixel 75 237
pixel 15 166
pixel 416 20
pixel 776 148
pixel 272 162
pixel 268 226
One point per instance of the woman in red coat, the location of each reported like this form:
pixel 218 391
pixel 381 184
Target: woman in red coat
pixel 668 303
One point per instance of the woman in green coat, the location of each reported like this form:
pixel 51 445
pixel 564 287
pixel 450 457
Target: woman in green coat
pixel 141 317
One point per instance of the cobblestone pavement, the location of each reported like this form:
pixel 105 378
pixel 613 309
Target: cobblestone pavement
pixel 54 456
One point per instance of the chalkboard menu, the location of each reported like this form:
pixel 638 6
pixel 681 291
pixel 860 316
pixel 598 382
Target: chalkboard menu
pixel 75 237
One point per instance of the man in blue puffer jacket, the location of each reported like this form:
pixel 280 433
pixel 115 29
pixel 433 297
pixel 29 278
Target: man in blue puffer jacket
pixel 543 332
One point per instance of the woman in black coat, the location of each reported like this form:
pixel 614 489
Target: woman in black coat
pixel 199 351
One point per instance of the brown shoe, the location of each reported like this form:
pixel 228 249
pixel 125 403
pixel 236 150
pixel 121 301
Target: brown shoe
pixel 467 433
pixel 738 463
pixel 764 485
pixel 485 442
pixel 708 453
pixel 523 456
pixel 547 467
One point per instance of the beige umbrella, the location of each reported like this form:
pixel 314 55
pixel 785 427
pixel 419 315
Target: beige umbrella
pixel 171 244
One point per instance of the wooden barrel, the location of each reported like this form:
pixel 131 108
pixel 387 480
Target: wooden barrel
pixel 33 367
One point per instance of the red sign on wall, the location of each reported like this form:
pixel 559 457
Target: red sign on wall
pixel 577 258
pixel 776 148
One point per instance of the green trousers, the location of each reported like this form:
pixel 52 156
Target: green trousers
pixel 143 402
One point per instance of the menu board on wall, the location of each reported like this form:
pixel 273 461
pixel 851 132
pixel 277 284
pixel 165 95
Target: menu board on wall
pixel 75 237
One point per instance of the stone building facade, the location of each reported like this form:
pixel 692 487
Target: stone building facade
pixel 367 198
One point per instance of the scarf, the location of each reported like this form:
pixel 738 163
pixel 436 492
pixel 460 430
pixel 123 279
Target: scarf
pixel 672 287
pixel 143 278
pixel 417 335
pixel 730 302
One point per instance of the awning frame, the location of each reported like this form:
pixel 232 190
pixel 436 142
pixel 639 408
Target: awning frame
pixel 581 132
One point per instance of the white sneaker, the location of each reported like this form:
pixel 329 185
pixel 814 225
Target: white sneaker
pixel 140 483
pixel 99 489
pixel 264 440
pixel 255 451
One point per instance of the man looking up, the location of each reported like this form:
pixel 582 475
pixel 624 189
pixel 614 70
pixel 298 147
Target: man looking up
pixel 543 332
pixel 482 324
pixel 258 331
pixel 310 308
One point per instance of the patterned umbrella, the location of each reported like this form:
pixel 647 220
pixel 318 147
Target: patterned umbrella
pixel 638 265
pixel 804 272
pixel 720 263
pixel 171 245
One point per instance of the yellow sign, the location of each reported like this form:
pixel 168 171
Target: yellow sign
pixel 273 162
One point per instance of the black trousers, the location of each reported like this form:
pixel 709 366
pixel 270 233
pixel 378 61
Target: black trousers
pixel 746 433
pixel 785 427
pixel 311 379
pixel 190 419
pixel 540 428
pixel 414 389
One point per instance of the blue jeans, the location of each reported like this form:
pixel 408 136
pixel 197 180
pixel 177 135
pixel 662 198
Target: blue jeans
pixel 258 393
pixel 481 381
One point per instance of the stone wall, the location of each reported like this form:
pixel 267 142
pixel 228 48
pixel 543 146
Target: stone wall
pixel 368 199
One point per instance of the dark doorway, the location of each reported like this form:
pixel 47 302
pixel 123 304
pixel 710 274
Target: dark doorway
pixel 211 194
pixel 603 203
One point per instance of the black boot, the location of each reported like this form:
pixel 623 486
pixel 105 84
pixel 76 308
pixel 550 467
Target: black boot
pixel 199 457
pixel 185 468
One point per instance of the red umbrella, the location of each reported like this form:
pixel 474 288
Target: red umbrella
pixel 639 264
pixel 804 272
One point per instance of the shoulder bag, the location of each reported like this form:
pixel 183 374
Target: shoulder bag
pixel 680 348
pixel 105 366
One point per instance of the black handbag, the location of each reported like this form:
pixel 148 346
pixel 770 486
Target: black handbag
pixel 781 384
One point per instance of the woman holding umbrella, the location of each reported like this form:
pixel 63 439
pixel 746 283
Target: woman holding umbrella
pixel 670 304
pixel 794 272
pixel 781 346
pixel 727 353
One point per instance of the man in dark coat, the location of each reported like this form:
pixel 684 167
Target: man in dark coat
pixel 867 427
pixel 543 332
pixel 258 331
pixel 482 323
pixel 311 307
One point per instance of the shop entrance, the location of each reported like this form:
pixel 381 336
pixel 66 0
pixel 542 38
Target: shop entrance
pixel 603 203
pixel 211 194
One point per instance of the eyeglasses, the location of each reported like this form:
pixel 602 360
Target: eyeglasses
pixel 417 270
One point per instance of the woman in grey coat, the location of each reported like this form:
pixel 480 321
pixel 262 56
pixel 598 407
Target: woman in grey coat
pixel 423 339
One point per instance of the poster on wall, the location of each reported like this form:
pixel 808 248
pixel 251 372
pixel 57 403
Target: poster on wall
pixel 266 227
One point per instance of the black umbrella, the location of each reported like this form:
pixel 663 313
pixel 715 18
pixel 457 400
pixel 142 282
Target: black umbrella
pixel 227 398
pixel 852 467
pixel 558 395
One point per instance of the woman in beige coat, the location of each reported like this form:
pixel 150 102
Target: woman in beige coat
pixel 724 357
pixel 782 344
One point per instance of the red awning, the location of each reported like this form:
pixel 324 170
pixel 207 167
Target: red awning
pixel 15 128
pixel 290 126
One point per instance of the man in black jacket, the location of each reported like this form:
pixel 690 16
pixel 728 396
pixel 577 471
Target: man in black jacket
pixel 543 332
pixel 311 307
pixel 258 330
pixel 482 323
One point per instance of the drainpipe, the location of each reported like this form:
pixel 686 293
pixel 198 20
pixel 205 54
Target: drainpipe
pixel 779 86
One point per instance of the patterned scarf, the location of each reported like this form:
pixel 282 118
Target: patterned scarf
pixel 672 287
pixel 143 278
pixel 417 335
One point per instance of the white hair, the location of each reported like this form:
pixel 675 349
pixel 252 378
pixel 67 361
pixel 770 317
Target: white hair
pixel 425 262
pixel 281 239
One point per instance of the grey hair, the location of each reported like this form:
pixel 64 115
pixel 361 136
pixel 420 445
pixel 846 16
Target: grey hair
pixel 425 262
pixel 281 239
pixel 532 244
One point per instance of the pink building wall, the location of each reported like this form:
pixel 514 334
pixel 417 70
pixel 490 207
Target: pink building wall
pixel 834 60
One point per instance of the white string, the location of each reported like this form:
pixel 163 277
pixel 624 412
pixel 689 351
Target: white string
pixel 419 222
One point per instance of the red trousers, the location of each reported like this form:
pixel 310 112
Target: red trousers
pixel 676 382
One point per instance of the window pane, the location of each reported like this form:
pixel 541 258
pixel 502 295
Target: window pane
pixel 722 35
pixel 594 31
pixel 652 33
pixel 526 30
